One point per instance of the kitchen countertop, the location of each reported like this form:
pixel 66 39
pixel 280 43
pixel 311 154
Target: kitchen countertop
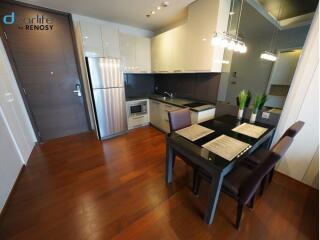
pixel 178 102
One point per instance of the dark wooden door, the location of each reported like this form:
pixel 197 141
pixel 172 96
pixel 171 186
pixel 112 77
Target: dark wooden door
pixel 41 47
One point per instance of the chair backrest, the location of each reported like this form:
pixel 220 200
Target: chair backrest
pixel 294 129
pixel 252 183
pixel 179 119
pixel 223 108
pixel 273 118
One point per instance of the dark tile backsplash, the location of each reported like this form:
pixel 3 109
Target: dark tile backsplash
pixel 139 85
pixel 200 86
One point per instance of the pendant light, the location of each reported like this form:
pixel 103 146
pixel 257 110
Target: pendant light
pixel 227 40
pixel 270 55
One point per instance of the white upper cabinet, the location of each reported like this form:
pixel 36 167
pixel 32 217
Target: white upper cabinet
pixel 155 53
pixel 103 39
pixel 143 54
pixel 168 51
pixel 178 49
pixel 110 41
pixel 135 53
pixel 188 48
pixel 92 40
pixel 128 52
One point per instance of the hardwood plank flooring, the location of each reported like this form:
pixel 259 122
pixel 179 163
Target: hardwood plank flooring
pixel 79 188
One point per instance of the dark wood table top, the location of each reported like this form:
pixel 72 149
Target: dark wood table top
pixel 221 125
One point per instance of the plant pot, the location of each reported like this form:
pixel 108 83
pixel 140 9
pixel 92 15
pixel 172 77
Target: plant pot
pixel 240 114
pixel 253 117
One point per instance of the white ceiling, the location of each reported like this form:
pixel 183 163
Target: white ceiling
pixel 130 12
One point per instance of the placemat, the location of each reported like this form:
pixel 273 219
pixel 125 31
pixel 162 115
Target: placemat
pixel 227 147
pixel 194 132
pixel 250 130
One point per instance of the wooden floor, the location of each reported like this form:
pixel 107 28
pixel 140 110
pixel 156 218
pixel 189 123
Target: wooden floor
pixel 79 188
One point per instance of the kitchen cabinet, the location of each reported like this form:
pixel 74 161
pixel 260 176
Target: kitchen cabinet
pixel 178 52
pixel 92 40
pixel 155 113
pixel 187 48
pixel 164 116
pixel 110 41
pixel 100 40
pixel 159 114
pixel 161 56
pixel 128 52
pixel 143 55
pixel 202 116
pixel 135 53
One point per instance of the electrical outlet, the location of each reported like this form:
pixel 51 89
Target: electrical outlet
pixel 265 115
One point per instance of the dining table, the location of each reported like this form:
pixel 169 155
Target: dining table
pixel 212 163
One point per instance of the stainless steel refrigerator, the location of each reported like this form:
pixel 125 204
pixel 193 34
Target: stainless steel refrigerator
pixel 107 89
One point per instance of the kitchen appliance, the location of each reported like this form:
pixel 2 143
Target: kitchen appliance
pixel 107 88
pixel 137 112
pixel 136 108
pixel 194 104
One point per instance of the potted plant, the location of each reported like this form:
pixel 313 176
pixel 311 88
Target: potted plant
pixel 263 101
pixel 243 95
pixel 248 100
pixel 258 103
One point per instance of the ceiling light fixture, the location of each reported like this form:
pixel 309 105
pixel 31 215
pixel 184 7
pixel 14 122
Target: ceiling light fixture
pixel 165 4
pixel 269 55
pixel 162 5
pixel 228 41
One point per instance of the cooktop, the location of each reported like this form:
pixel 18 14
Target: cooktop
pixel 194 104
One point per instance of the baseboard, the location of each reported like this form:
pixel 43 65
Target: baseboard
pixel 2 213
pixel 296 181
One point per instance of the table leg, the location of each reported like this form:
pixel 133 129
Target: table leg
pixel 169 163
pixel 215 188
pixel 269 141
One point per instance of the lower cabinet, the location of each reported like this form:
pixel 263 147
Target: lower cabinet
pixel 159 115
pixel 199 117
pixel 155 113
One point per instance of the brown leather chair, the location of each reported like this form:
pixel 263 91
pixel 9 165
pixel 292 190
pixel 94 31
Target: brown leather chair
pixel 257 157
pixel 243 182
pixel 179 119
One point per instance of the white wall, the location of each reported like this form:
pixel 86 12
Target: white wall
pixel 17 138
pixel 303 104
pixel 14 109
pixel 10 163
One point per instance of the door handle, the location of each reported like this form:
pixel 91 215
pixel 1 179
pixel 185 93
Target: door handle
pixel 78 90
pixel 9 97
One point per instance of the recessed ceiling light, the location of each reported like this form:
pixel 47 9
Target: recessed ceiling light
pixel 153 12
pixel 165 4
pixel 159 7
pixel 204 39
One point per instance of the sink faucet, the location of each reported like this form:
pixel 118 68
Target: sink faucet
pixel 169 94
